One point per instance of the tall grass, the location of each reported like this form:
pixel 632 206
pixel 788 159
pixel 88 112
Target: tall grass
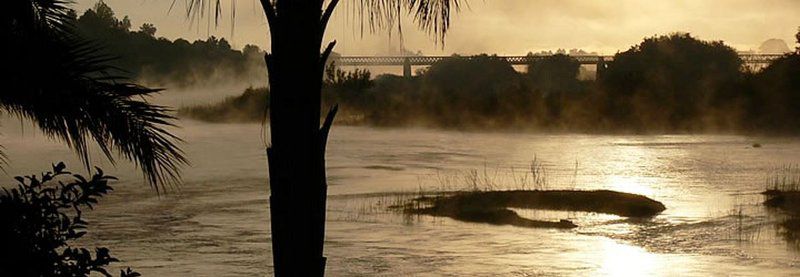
pixel 538 174
pixel 531 177
pixel 784 178
pixel 535 175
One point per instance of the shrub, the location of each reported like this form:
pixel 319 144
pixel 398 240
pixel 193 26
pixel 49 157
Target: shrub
pixel 39 219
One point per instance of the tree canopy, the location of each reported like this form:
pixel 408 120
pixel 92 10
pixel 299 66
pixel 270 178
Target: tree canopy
pixel 669 81
pixel 162 62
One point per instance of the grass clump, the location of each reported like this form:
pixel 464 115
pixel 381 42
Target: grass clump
pixel 783 189
pixel 493 206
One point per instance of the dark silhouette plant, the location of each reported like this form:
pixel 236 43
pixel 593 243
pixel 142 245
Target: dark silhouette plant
pixel 797 39
pixel 669 82
pixel 298 135
pixel 65 84
pixel 42 215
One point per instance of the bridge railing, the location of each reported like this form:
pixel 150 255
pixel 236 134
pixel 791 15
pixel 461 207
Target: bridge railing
pixel 515 60
pixel 429 60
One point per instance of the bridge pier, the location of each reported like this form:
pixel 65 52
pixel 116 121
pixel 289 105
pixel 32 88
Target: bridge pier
pixel 601 68
pixel 407 68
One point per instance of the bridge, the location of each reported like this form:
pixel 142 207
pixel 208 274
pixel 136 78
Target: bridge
pixel 599 60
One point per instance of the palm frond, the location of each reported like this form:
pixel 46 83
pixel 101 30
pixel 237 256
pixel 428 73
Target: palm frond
pixel 432 16
pixel 63 83
pixel 37 15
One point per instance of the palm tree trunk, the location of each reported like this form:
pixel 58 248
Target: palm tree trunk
pixel 296 156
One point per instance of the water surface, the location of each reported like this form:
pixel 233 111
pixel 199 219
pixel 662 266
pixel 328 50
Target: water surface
pixel 218 224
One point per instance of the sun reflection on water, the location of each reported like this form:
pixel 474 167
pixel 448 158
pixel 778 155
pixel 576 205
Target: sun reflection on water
pixel 630 184
pixel 626 260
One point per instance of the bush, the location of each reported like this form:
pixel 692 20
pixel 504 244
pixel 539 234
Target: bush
pixel 41 216
pixel 474 91
pixel 671 82
pixel 775 99
pixel 251 106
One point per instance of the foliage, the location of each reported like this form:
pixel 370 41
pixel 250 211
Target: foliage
pixel 668 82
pixel 774 101
pixel 251 106
pixel 463 92
pixel 159 61
pixel 348 88
pixel 42 215
pixel 555 78
pixel 797 38
pixel 472 90
pixel 673 83
pixel 65 84
pixel 554 74
pixel 340 87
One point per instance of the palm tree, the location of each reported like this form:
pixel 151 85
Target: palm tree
pixel 296 156
pixel 63 83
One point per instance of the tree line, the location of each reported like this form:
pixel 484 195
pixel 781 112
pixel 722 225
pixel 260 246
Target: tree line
pixel 669 83
pixel 159 61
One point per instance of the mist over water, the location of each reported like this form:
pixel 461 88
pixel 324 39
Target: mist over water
pixel 218 223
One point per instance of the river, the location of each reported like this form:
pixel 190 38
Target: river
pixel 217 223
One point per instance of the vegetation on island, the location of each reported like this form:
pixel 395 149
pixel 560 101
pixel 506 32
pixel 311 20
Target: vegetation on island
pixel 493 206
pixel 783 189
pixel 782 197
pixel 480 201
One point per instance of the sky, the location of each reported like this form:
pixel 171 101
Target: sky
pixel 506 27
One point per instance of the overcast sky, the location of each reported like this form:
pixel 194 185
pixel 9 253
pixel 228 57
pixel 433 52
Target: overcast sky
pixel 512 27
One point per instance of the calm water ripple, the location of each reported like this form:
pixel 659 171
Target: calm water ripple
pixel 218 223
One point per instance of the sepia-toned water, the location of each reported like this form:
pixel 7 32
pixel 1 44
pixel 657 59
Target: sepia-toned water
pixel 218 223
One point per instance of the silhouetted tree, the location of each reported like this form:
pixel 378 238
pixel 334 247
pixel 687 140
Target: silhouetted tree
pixel 556 79
pixel 554 74
pixel 297 153
pixel 774 102
pixel 473 91
pixel 797 39
pixel 148 29
pixel 669 81
pixel 347 88
pixel 161 62
pixel 101 17
pixel 647 91
pixel 58 80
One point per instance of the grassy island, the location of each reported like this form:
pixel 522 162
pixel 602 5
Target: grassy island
pixel 493 206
